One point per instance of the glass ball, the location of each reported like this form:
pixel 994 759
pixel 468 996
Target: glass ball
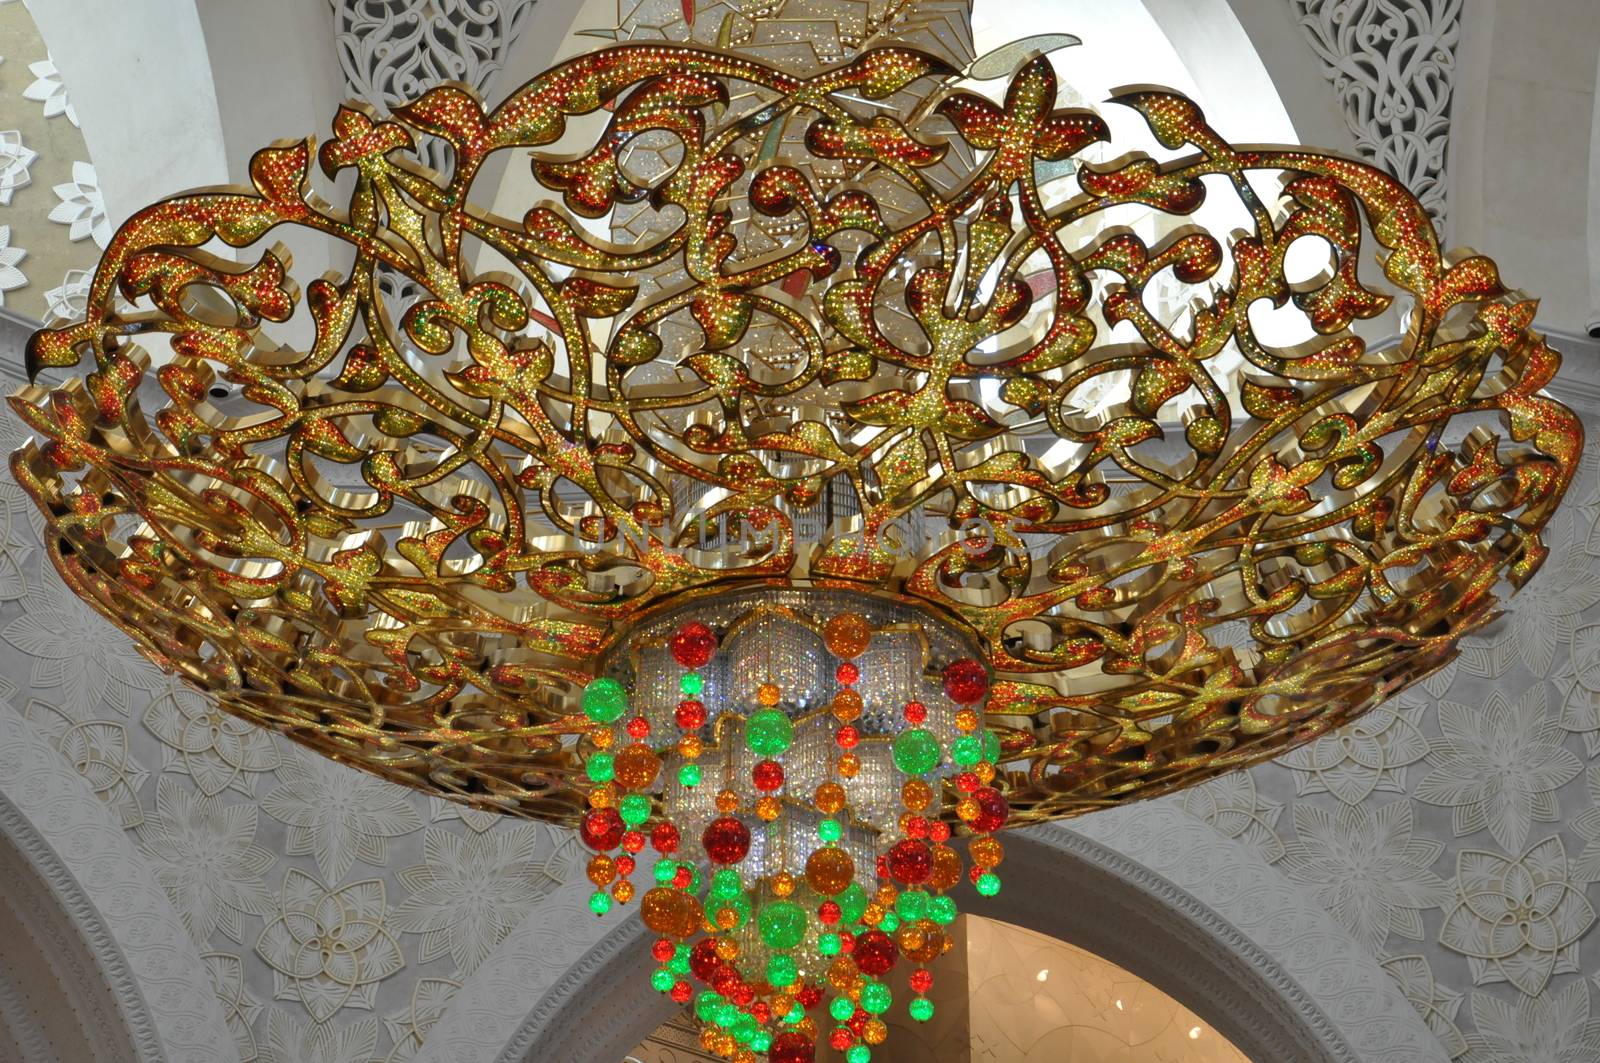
pixel 874 1032
pixel 767 775
pixel 921 980
pixel 916 751
pixel 849 765
pixel 635 809
pixel 847 673
pixel 783 884
pixel 829 870
pixel 693 644
pixel 690 746
pixel 967 750
pixel 781 970
pixel 604 700
pixel 769 808
pixel 846 706
pixel 602 869
pixel 638 728
pixel 727 949
pixel 921 1009
pixel 967 719
pixel 602 737
pixel 690 714
pixel 599 902
pixel 792 1046
pixel 670 912
pixel 946 870
pixel 782 924
pixel 852 902
pixel 992 810
pixel 910 862
pixel 988 884
pixel 922 942
pixel 875 953
pixel 768 694
pixel 689 776
pixel 600 767
pixel 966 681
pixel 847 737
pixel 726 840
pixel 664 838
pixel 858 1054
pixel 637 766
pixel 942 909
pixel 601 828
pixel 916 794
pixel 690 684
pixel 847 635
pixel 987 852
pixel 622 890
pixel 727 801
pixel 829 798
pixel 876 998
pixel 768 732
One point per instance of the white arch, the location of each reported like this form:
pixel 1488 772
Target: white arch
pixel 1203 917
pixel 71 841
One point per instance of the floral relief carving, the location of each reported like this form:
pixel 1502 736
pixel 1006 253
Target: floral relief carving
pixel 1545 616
pixel 48 89
pixel 76 655
pixel 409 1029
pixel 1499 766
pixel 1436 1004
pixel 15 158
pixel 1367 755
pixel 328 948
pixel 1231 805
pixel 1517 919
pixel 1366 868
pixel 207 860
pixel 288 1041
pixel 1587 825
pixel 239 1008
pixel 98 751
pixel 1552 1029
pixel 1580 708
pixel 82 207
pixel 338 814
pixel 68 299
pixel 11 277
pixel 216 750
pixel 470 891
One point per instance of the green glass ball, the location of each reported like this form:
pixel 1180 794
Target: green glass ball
pixel 852 903
pixel 912 904
pixel 991 747
pixel 599 902
pixel 916 751
pixel 988 884
pixel 665 870
pixel 744 1029
pixel 604 700
pixel 600 767
pixel 889 923
pixel 942 910
pixel 782 924
pixel 662 980
pixel 858 1054
pixel 830 831
pixel 829 943
pixel 876 998
pixel 705 1005
pixel 921 1009
pixel 781 971
pixel 689 775
pixel 635 809
pixel 768 732
pixel 841 1009
pixel 761 1041
pixel 679 964
pixel 725 883
pixel 691 684
pixel 726 1015
pixel 739 904
pixel 967 750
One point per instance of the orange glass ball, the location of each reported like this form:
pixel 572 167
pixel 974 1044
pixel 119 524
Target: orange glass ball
pixel 690 746
pixel 637 766
pixel 727 949
pixel 847 635
pixel 843 975
pixel 909 938
pixel 829 798
pixel 916 794
pixel 602 738
pixel 967 719
pixel 808 1027
pixel 829 870
pixel 886 895
pixel 622 891
pixel 727 918
pixel 873 915
pixel 985 771
pixel 603 796
pixel 769 808
pixel 849 765
pixel 727 802
pixel 602 869
pixel 768 694
pixel 783 884
pixel 846 705
pixel 967 809
pixel 669 912
pixel 744 1055
pixel 946 868
pixel 708 1038
pixel 874 1032
pixel 782 1004
pixel 932 944
pixel 987 852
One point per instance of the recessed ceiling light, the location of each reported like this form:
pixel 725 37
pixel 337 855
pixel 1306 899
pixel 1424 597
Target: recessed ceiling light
pixel 1044 975
pixel 1194 1033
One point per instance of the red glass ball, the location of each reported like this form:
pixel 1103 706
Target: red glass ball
pixel 602 829
pixel 917 827
pixel 638 727
pixel 703 959
pixel 664 838
pixel 974 873
pixel 858 1022
pixel 725 979
pixel 662 950
pixel 691 715
pixel 939 832
pixel 792 1047
pixel 883 865
pixel 910 862
pixel 841 1039
pixel 761 1011
pixel 965 681
pixel 992 810
pixel 726 840
pixel 829 912
pixel 847 737
pixel 967 782
pixel 875 953
pixel 916 712
pixel 681 992
pixel 743 994
pixel 767 775
pixel 693 644
pixel 847 942
pixel 809 995
pixel 682 878
pixel 921 980
pixel 633 841
pixel 625 864
pixel 847 673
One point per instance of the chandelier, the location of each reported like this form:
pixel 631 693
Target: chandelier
pixel 922 471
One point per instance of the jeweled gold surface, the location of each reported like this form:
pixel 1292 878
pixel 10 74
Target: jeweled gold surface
pixel 405 533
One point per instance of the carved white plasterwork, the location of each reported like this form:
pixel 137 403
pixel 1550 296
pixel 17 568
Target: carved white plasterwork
pixel 1393 64
pixel 394 50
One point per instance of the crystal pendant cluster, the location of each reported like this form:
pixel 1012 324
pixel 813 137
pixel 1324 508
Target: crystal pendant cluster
pixel 793 757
